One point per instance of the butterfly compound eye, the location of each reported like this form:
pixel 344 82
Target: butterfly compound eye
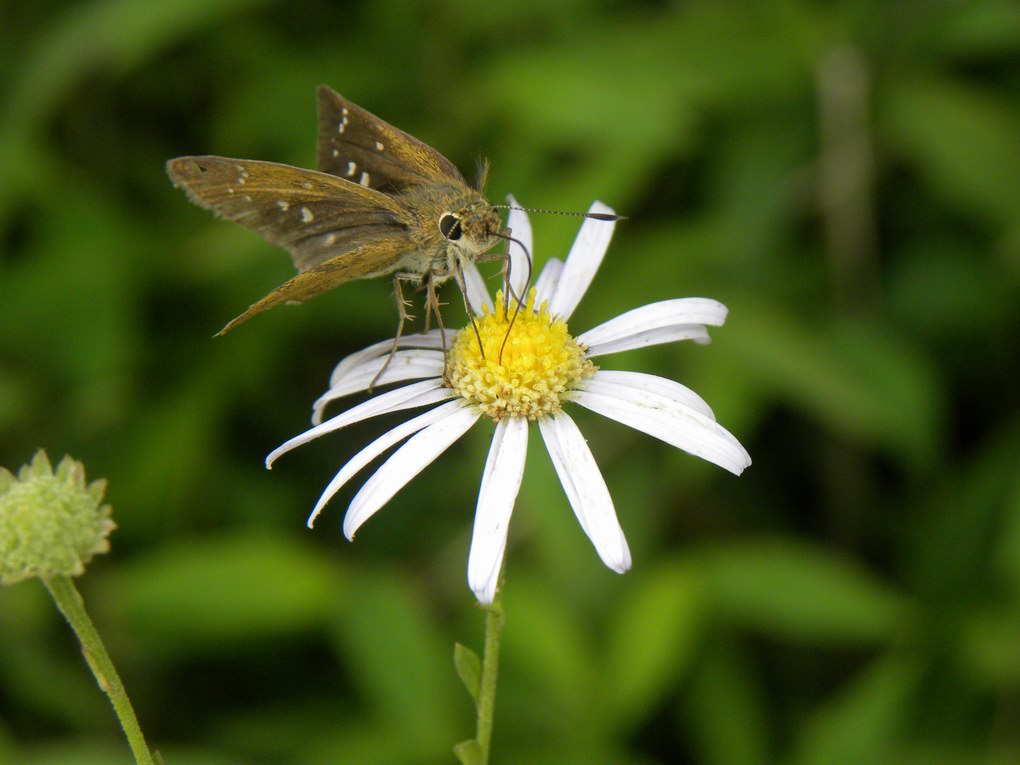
pixel 449 225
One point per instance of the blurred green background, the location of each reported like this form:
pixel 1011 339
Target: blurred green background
pixel 844 176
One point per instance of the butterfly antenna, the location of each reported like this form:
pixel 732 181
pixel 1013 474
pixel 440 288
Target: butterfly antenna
pixel 519 298
pixel 594 216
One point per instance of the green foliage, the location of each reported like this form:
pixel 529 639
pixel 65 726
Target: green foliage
pixel 853 597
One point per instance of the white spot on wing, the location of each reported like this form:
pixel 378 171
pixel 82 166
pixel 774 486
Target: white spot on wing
pixel 306 215
pixel 352 168
pixel 283 204
pixel 364 179
pixel 331 240
pixel 306 185
pixel 379 146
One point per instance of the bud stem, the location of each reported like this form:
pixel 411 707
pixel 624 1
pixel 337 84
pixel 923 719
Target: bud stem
pixel 71 605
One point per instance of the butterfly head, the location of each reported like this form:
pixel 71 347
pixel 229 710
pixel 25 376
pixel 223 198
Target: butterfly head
pixel 472 229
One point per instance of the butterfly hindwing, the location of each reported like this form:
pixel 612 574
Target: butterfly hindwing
pixel 356 145
pixel 315 216
pixel 371 259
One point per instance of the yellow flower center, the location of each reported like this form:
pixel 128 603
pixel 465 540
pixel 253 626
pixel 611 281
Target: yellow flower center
pixel 528 373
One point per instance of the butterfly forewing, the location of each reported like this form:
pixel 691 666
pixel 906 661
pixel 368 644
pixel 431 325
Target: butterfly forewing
pixel 314 216
pixel 356 145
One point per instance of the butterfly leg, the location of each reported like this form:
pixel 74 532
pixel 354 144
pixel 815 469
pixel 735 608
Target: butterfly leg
pixel 432 305
pixel 458 274
pixel 508 289
pixel 403 315
pixel 505 257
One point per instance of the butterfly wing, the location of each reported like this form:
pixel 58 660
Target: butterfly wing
pixel 314 216
pixel 370 259
pixel 335 231
pixel 357 145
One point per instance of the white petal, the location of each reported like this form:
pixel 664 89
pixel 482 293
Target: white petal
pixel 405 463
pixel 634 386
pixel 582 262
pixel 501 480
pixel 377 447
pixel 405 365
pixel 431 339
pixel 477 293
pixel 695 332
pixel 672 421
pixel 545 286
pixel 585 489
pixel 408 397
pixel 665 314
pixel 520 259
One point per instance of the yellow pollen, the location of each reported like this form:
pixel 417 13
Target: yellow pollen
pixel 531 375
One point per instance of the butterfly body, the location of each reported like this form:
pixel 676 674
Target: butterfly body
pixel 380 203
pixel 467 227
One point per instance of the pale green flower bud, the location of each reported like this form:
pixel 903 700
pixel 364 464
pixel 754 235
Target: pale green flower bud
pixel 51 523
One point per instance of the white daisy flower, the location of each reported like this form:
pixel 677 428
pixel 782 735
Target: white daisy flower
pixel 540 367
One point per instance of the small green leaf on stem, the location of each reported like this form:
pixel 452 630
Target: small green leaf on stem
pixel 469 669
pixel 469 752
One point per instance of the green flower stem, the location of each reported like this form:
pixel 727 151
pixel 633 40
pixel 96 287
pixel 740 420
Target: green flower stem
pixel 494 621
pixel 73 608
